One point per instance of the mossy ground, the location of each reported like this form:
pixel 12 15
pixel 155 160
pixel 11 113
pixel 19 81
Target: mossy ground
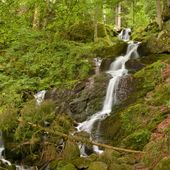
pixel 31 64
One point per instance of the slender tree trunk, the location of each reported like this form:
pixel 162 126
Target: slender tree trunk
pixel 118 17
pixel 103 14
pixel 36 18
pixel 45 21
pixel 96 23
pixel 159 13
pixel 133 5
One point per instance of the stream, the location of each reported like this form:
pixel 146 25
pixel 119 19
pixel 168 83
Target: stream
pixel 117 70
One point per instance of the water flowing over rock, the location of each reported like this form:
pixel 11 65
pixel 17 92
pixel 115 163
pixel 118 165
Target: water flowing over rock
pixel 117 71
pixel 39 97
pixel 125 34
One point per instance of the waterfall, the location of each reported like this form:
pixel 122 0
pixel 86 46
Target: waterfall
pixel 1 145
pixel 117 71
pixel 125 34
pixel 39 97
pixel 97 64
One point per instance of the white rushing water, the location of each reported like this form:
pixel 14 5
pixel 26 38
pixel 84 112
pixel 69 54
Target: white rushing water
pixel 1 146
pixel 117 70
pixel 98 62
pixel 125 34
pixel 39 97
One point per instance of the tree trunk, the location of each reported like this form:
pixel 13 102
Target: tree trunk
pixel 159 13
pixel 36 18
pixel 118 17
pixel 104 14
pixel 96 23
pixel 45 21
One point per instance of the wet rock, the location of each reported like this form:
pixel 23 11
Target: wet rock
pixel 106 64
pixel 60 98
pixel 125 87
pixel 134 65
pixel 97 166
pixel 109 128
pixel 90 99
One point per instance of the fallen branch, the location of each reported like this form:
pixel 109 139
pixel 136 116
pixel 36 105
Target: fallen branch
pixel 83 140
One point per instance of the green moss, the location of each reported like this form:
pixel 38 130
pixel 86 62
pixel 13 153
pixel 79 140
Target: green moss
pixel 71 151
pixel 97 166
pixel 117 166
pixel 134 117
pixel 164 164
pixel 160 95
pixel 149 77
pixel 69 167
pixel 153 151
pixel 137 140
pixel 8 121
pixel 84 32
pixel 104 48
pixel 81 163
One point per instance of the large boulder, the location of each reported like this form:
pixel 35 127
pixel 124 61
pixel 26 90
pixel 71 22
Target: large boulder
pixel 90 99
pixel 110 50
pixel 156 44
pixel 134 65
pixel 84 31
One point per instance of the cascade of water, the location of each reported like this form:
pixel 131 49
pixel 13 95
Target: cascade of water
pixel 1 145
pixel 125 34
pixel 97 64
pixel 39 97
pixel 117 70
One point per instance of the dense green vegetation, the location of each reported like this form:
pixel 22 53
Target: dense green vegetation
pixel 51 45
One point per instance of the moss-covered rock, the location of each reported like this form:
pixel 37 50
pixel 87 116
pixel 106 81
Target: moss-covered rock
pixel 81 163
pixel 69 166
pixel 84 32
pixel 164 164
pixel 154 152
pixel 71 151
pixel 137 140
pixel 115 166
pixel 156 44
pixel 111 49
pixel 97 166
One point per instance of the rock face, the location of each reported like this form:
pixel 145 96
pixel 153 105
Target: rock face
pixel 156 44
pixel 82 101
pixel 133 65
pixel 90 99
pixel 125 87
